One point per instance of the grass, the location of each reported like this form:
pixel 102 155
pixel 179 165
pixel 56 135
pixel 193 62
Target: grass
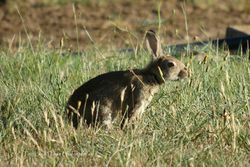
pixel 202 121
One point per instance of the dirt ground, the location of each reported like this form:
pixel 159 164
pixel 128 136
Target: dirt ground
pixel 118 24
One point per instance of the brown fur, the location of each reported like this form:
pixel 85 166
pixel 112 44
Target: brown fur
pixel 127 92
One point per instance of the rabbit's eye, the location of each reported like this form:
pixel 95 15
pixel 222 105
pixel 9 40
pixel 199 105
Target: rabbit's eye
pixel 169 64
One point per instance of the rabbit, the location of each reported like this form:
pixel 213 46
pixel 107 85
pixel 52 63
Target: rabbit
pixel 101 99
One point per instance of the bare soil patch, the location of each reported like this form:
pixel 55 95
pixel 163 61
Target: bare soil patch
pixel 120 24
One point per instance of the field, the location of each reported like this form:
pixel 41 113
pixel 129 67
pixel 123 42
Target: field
pixel 201 121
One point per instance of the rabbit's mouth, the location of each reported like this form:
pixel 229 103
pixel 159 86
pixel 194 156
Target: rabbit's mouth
pixel 178 80
pixel 179 76
pixel 183 74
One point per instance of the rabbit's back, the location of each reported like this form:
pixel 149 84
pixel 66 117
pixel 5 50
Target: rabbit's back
pixel 104 85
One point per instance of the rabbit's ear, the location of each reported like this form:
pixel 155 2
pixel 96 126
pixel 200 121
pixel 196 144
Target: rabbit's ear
pixel 153 43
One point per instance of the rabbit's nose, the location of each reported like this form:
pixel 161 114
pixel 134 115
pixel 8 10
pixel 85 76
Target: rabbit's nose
pixel 183 73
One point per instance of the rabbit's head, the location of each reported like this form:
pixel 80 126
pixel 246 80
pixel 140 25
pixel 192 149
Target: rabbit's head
pixel 163 67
